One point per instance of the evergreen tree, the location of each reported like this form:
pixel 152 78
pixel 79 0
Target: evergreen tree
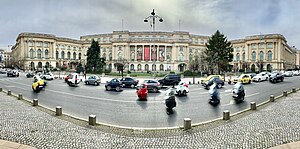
pixel 218 52
pixel 94 62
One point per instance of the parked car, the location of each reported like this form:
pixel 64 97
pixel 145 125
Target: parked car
pixel 276 76
pixel 252 75
pixel 296 73
pixel 260 77
pixel 182 88
pixel 48 76
pixel 170 79
pixel 114 84
pixel 129 82
pixel 13 73
pixel 215 79
pixel 93 79
pixel 68 77
pixel 152 85
pixel 30 74
pixel 3 71
pixel 288 74
pixel 211 76
pixel 244 78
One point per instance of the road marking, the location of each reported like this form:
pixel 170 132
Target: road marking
pixel 232 101
pixel 252 95
pixel 227 91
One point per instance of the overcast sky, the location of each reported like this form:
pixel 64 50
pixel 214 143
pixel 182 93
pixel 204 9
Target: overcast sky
pixel 74 18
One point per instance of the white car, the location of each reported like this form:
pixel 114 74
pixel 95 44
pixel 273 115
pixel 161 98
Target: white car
pixel 182 88
pixel 260 77
pixel 48 76
pixel 296 73
pixel 288 74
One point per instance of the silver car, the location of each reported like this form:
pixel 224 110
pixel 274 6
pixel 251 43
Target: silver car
pixel 93 80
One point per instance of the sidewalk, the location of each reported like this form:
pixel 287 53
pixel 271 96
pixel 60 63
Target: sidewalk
pixel 271 125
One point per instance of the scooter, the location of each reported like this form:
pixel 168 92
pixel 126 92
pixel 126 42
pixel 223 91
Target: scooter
pixel 170 100
pixel 38 84
pixel 214 95
pixel 238 92
pixel 142 92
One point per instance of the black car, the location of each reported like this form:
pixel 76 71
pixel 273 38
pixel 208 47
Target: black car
pixel 170 79
pixel 152 85
pixel 213 80
pixel 30 74
pixel 276 77
pixel 129 82
pixel 13 73
pixel 114 84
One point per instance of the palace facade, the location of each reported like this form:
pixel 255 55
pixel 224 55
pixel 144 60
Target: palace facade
pixel 147 51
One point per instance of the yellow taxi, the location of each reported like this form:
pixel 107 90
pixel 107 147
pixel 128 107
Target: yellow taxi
pixel 38 84
pixel 210 76
pixel 244 78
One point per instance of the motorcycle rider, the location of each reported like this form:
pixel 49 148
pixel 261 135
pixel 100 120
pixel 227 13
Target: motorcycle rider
pixel 214 94
pixel 170 100
pixel 239 91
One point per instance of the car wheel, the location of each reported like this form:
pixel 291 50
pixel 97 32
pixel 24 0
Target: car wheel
pixel 219 85
pixel 259 80
pixel 184 93
pixel 179 93
pixel 118 88
pixel 249 82
pixel 87 83
pixel 132 86
pixel 154 90
pixel 108 88
pixel 96 84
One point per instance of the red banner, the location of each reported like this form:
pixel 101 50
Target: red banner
pixel 146 53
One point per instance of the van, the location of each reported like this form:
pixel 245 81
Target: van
pixel 170 79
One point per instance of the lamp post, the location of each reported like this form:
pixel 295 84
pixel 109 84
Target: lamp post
pixel 152 18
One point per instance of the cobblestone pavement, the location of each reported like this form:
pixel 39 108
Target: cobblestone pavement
pixel 270 125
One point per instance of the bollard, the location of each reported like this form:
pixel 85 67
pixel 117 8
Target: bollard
pixel 253 105
pixel 92 120
pixel 272 99
pixel 9 92
pixel 226 115
pixel 294 90
pixel 58 111
pixel 1 89
pixel 187 123
pixel 284 93
pixel 20 96
pixel 35 102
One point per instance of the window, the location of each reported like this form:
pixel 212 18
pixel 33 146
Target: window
pixel 120 36
pixel 153 67
pixel 46 44
pixel 120 48
pixel 270 45
pixel 56 56
pixel 69 55
pixel 238 56
pixel 79 56
pixel 30 43
pixel 99 40
pixel 104 55
pixel 46 53
pixel 253 46
pixel 190 57
pixel 139 67
pixel 269 55
pixel 253 56
pixel 181 57
pixel 74 48
pixel 237 49
pixel 261 55
pixel 146 67
pixel 180 48
pixel 120 56
pixel 110 56
pixel 62 55
pixel 39 54
pixel 243 56
pixel 261 45
pixel 161 67
pixel 69 48
pixel 104 39
pixel 39 44
pixel 31 53
pixel 131 67
pixel 74 55
pixel 104 49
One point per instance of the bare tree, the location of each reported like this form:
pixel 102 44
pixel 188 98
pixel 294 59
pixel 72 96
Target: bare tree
pixel 122 65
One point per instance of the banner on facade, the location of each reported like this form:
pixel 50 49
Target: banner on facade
pixel 146 53
pixel 139 53
pixel 161 53
pixel 154 53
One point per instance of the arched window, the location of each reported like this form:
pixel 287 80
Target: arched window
pixel 253 56
pixel 243 57
pixel 62 54
pixel 46 53
pixel 39 54
pixel 261 55
pixel 74 55
pixel 56 56
pixel 153 67
pixel 131 67
pixel 31 53
pixel 104 49
pixel 238 57
pixel 104 56
pixel 269 55
pixel 161 67
pixel 79 56
pixel 146 67
pixel 191 57
pixel 110 56
pixel 181 57
pixel 139 67
pixel 120 56
pixel 69 55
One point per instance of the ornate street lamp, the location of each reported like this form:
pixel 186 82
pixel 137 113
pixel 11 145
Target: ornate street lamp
pixel 152 18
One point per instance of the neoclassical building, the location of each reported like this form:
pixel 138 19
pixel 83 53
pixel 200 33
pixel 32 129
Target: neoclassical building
pixel 147 51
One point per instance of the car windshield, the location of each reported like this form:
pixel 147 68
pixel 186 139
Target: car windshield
pixel 273 74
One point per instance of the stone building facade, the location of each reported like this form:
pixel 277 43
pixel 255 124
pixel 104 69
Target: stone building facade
pixel 147 51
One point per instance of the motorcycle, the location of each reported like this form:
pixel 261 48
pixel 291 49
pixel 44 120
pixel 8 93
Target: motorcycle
pixel 142 92
pixel 170 100
pixel 238 92
pixel 214 95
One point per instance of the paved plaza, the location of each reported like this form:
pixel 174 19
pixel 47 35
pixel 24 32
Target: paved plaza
pixel 270 125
